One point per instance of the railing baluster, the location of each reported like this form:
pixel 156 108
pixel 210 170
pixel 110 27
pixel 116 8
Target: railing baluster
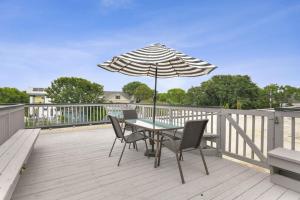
pixel 229 137
pixel 293 133
pixel 91 114
pixel 245 129
pixel 253 135
pixel 237 135
pixel 262 138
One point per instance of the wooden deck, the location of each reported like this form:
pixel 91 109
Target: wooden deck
pixel 75 165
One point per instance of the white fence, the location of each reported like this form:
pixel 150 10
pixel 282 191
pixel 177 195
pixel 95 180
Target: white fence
pixel 246 135
pixel 56 115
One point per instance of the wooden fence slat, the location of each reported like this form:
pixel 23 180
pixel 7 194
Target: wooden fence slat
pixel 246 138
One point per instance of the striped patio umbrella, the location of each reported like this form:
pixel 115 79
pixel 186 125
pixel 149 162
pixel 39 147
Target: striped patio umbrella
pixel 157 61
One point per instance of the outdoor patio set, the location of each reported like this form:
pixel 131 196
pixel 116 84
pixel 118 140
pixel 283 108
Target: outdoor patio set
pixel 163 134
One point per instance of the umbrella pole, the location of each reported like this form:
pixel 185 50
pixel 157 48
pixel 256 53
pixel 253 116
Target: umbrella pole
pixel 152 154
pixel 154 98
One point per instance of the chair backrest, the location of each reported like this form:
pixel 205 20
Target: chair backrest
pixel 116 126
pixel 192 133
pixel 130 114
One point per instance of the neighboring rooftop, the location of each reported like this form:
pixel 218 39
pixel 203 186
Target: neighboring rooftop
pixel 36 91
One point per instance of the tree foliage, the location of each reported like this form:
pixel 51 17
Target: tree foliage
pixel 274 95
pixel 12 96
pixel 131 87
pixel 175 96
pixel 162 97
pixel 195 96
pixel 225 91
pixel 142 92
pixel 74 90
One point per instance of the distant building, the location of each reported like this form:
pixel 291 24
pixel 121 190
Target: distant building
pixel 38 95
pixel 117 97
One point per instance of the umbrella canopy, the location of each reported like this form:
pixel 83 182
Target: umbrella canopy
pixel 157 61
pixel 167 61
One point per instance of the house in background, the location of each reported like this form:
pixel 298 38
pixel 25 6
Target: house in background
pixel 37 95
pixel 117 97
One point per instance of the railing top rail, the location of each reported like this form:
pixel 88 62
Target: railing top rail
pixel 178 106
pixel 297 109
pixel 74 104
pixel 249 112
pixel 10 107
pixel 295 114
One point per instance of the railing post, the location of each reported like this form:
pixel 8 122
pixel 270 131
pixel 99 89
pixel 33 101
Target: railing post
pixel 143 111
pixel 271 132
pixel 221 128
pixel 9 125
pixel 275 131
pixel 278 124
pixel 170 115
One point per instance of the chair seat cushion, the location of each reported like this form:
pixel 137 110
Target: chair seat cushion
pixel 135 137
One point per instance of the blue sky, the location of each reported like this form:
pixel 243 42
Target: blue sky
pixel 41 40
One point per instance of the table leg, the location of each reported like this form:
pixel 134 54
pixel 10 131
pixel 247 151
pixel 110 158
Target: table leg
pixel 151 151
pixel 157 150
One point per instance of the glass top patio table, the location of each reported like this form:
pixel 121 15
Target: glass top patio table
pixel 148 124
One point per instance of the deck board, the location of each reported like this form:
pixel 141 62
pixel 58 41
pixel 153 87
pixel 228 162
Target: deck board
pixel 75 165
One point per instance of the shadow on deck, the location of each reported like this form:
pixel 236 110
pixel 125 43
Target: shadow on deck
pixel 75 165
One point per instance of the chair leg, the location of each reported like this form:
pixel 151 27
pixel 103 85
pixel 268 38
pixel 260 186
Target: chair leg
pixel 160 147
pixel 121 154
pixel 136 147
pixel 204 162
pixel 181 156
pixel 112 147
pixel 147 150
pixel 179 167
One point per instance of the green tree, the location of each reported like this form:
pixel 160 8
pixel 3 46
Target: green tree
pixel 175 96
pixel 162 97
pixel 225 90
pixel 142 92
pixel 13 95
pixel 270 96
pixel 290 94
pixel 74 90
pixel 195 96
pixel 274 95
pixel 131 87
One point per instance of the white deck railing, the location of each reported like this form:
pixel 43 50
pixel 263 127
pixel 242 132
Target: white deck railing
pixel 55 115
pixel 11 120
pixel 246 135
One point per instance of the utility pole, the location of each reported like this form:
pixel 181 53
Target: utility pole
pixel 270 98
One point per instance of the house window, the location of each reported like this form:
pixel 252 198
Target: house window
pixel 118 97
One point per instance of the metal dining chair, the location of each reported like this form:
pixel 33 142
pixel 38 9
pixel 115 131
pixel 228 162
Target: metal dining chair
pixel 191 139
pixel 131 114
pixel 127 139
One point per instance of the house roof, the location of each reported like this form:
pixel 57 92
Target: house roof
pixel 117 93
